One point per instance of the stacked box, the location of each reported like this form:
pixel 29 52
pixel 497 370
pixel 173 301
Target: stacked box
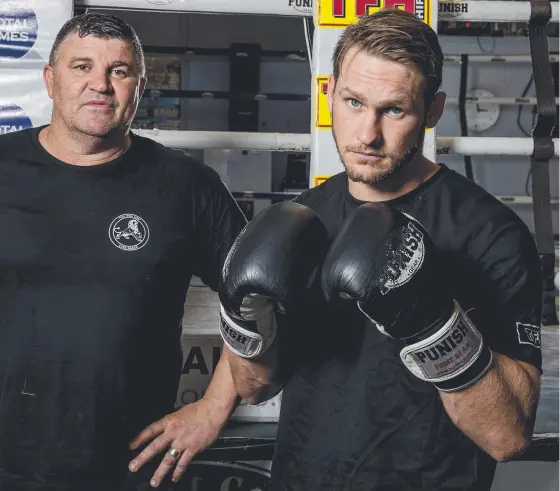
pixel 164 113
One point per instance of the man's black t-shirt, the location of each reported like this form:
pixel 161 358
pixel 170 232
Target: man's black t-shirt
pixel 353 418
pixel 95 263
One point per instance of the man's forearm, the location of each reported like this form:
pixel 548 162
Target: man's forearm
pixel 221 392
pixel 255 380
pixel 497 412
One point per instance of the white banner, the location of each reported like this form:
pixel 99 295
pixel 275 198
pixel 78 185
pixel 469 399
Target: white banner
pixel 24 102
pixel 28 29
pixel 27 32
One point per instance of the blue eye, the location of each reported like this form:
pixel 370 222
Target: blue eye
pixel 395 110
pixel 354 103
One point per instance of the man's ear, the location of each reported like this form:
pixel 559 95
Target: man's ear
pixel 48 77
pixel 142 86
pixel 435 111
pixel 330 91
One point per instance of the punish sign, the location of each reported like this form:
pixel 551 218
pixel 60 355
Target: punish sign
pixel 340 13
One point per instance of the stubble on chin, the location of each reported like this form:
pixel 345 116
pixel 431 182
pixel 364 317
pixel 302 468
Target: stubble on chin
pixel 371 174
pixel 368 173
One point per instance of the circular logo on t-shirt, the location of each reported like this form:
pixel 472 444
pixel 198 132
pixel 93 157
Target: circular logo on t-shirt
pixel 18 29
pixel 129 232
pixel 13 118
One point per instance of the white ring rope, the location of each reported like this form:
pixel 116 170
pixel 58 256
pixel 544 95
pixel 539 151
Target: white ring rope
pixel 157 93
pixel 497 58
pixel 301 142
pixel 504 101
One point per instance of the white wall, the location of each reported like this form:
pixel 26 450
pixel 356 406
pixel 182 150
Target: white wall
pixel 499 175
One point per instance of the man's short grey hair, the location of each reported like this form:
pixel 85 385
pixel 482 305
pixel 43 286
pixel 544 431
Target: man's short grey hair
pixel 103 26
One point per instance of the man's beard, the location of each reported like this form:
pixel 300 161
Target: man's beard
pixel 397 164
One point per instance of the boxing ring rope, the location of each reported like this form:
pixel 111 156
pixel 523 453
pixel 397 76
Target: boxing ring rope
pixel 471 11
pixel 503 101
pixel 301 55
pixel 225 95
pixel 301 142
pixel 497 58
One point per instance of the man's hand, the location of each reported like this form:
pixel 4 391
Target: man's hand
pixel 189 431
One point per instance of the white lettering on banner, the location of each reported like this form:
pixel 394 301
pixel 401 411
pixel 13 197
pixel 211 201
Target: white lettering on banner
pixel 447 353
pixel 10 128
pixel 18 31
pixel 14 36
pixel 7 23
pixel 13 118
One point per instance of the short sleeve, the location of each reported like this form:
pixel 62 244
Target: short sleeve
pixel 219 223
pixel 508 285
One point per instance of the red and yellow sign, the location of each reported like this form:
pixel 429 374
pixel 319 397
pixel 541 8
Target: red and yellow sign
pixel 322 112
pixel 342 13
pixel 320 179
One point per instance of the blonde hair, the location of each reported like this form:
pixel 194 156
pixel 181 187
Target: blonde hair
pixel 398 36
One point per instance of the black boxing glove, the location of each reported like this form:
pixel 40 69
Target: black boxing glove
pixel 274 261
pixel 386 261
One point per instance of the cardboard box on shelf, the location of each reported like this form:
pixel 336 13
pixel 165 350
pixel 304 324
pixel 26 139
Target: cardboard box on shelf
pixel 163 113
pixel 163 72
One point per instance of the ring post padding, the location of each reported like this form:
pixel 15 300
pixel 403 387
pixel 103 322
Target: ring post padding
pixel 541 11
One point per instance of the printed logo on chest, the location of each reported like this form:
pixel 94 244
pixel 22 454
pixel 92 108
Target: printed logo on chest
pixel 129 232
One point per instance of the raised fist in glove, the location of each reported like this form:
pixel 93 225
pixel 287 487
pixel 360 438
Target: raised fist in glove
pixel 385 260
pixel 274 261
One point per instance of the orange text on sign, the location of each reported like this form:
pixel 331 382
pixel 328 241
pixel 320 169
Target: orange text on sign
pixel 342 13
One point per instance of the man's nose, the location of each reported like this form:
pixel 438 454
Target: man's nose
pixel 370 133
pixel 100 81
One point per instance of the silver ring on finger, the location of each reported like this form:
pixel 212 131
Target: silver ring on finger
pixel 174 453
